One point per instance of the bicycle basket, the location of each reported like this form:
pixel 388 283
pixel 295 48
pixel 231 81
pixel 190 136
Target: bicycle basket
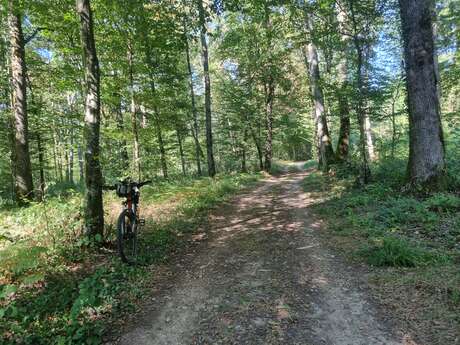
pixel 123 189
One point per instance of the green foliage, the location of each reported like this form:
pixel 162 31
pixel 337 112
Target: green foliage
pixel 54 294
pixel 396 252
pixel 400 229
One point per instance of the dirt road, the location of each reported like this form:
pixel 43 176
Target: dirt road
pixel 264 276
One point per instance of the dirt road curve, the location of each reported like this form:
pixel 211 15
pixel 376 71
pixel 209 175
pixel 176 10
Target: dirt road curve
pixel 264 277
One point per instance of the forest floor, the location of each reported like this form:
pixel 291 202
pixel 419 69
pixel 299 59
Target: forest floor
pixel 261 271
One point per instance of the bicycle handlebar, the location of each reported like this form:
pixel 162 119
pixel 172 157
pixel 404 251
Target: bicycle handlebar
pixel 139 185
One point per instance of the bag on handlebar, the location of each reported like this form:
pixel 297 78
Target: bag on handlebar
pixel 123 189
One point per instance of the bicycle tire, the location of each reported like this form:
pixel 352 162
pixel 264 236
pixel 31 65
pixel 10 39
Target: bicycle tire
pixel 127 237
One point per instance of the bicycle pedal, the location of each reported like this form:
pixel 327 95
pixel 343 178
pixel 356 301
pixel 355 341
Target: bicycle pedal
pixel 141 222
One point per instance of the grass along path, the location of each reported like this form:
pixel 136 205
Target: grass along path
pixel 411 246
pixel 264 276
pixel 56 288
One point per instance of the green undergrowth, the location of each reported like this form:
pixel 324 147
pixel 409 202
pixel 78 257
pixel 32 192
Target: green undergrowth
pixel 58 288
pixel 411 241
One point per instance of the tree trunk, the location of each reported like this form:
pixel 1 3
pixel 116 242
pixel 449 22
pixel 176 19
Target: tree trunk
pixel 22 166
pixel 135 129
pixel 366 110
pixel 181 151
pixel 343 142
pixel 156 113
pixel 426 165
pixel 365 173
pixel 323 140
pixel 121 128
pixel 94 213
pixel 193 103
pixel 269 96
pixel 57 155
pixel 71 156
pixel 244 168
pixel 81 162
pixel 207 92
pixel 41 165
pixel 161 145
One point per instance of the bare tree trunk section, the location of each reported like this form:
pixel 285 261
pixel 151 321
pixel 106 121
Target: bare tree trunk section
pixel 207 93
pixel 343 142
pixel 269 97
pixel 156 113
pixel 121 128
pixel 323 140
pixel 22 167
pixel 94 213
pixel 193 103
pixel 41 165
pixel 134 124
pixel 71 157
pixel 81 164
pixel 161 146
pixel 426 165
pixel 366 111
pixel 365 171
pixel 369 139
pixel 181 151
pixel 244 168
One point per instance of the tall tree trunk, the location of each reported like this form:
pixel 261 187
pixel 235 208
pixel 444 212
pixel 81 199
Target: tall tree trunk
pixel 161 145
pixel 269 97
pixel 244 168
pixel 134 124
pixel 57 155
pixel 256 142
pixel 94 213
pixel 207 92
pixel 426 152
pixel 195 129
pixel 121 128
pixel 41 164
pixel 366 110
pixel 22 166
pixel 156 113
pixel 343 142
pixel 323 140
pixel 181 151
pixel 71 156
pixel 81 164
pixel 365 171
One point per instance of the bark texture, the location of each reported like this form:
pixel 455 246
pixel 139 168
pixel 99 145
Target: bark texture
pixel 269 97
pixel 207 91
pixel 195 128
pixel 94 214
pixel 343 141
pixel 21 163
pixel 323 140
pixel 426 152
pixel 134 122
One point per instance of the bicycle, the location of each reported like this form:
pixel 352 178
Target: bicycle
pixel 128 220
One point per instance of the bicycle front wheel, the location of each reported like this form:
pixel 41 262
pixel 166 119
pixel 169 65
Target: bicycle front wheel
pixel 127 237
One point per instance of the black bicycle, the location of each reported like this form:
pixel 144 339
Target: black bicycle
pixel 128 220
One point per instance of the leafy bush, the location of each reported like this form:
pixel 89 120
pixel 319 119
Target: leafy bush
pixel 52 292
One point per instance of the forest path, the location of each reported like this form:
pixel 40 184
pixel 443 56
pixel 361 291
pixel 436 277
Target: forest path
pixel 264 276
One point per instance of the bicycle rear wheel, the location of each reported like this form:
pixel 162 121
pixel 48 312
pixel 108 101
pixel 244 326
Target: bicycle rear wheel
pixel 127 237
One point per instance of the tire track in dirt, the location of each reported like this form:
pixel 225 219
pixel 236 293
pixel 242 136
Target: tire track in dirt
pixel 264 277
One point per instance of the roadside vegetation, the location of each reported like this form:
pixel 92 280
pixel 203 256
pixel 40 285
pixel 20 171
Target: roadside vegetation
pixel 58 287
pixel 410 242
